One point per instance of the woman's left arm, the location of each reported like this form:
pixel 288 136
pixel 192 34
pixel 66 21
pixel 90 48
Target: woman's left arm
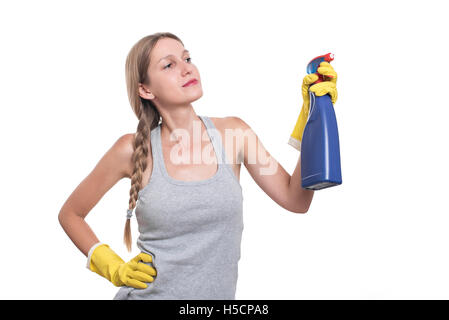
pixel 269 175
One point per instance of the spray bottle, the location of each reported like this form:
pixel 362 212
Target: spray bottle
pixel 320 148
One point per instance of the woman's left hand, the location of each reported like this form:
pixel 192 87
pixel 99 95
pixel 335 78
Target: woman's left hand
pixel 329 86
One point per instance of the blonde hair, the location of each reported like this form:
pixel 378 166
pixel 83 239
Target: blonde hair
pixel 136 71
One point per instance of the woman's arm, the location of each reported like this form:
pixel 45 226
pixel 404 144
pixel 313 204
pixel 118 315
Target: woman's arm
pixel 271 177
pixel 113 166
pixel 295 188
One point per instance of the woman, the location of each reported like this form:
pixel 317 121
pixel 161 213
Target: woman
pixel 189 212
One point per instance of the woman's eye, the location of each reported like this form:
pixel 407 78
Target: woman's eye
pixel 168 65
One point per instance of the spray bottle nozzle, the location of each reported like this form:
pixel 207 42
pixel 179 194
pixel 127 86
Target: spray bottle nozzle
pixel 314 64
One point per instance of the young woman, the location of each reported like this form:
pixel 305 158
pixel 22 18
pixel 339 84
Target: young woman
pixel 189 207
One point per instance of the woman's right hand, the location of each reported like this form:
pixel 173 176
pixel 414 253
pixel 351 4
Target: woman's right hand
pixel 134 273
pixel 109 265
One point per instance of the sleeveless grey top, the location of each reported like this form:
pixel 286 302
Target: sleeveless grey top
pixel 192 229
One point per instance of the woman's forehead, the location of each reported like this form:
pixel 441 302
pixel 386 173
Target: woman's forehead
pixel 165 47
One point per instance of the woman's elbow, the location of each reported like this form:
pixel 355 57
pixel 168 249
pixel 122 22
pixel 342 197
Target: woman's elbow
pixel 65 217
pixel 62 216
pixel 297 208
pixel 302 211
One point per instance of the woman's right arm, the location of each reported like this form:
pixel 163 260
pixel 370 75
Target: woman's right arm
pixel 112 167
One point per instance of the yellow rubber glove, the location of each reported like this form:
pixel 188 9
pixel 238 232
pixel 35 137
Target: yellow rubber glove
pixel 320 89
pixel 109 265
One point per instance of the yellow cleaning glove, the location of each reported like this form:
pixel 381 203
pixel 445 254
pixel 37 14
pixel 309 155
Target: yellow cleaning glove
pixel 104 261
pixel 320 89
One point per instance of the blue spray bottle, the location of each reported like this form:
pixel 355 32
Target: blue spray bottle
pixel 320 148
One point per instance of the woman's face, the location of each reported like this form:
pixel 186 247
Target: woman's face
pixel 170 68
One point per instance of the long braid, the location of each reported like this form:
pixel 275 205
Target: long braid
pixel 139 158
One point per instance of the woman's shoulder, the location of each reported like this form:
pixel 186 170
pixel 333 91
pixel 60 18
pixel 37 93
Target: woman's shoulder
pixel 124 148
pixel 230 122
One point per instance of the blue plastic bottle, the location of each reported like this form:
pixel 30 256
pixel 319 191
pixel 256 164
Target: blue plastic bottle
pixel 320 147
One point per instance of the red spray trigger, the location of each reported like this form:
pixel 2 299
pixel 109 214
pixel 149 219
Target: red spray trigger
pixel 314 64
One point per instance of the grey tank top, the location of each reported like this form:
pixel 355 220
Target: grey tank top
pixel 192 230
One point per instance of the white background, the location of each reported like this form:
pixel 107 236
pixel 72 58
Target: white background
pixel 382 234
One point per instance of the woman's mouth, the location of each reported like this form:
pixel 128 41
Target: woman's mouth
pixel 190 83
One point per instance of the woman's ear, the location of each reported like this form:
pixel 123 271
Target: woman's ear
pixel 145 93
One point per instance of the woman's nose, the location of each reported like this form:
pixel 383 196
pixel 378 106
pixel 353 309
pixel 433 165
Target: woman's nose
pixel 186 67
